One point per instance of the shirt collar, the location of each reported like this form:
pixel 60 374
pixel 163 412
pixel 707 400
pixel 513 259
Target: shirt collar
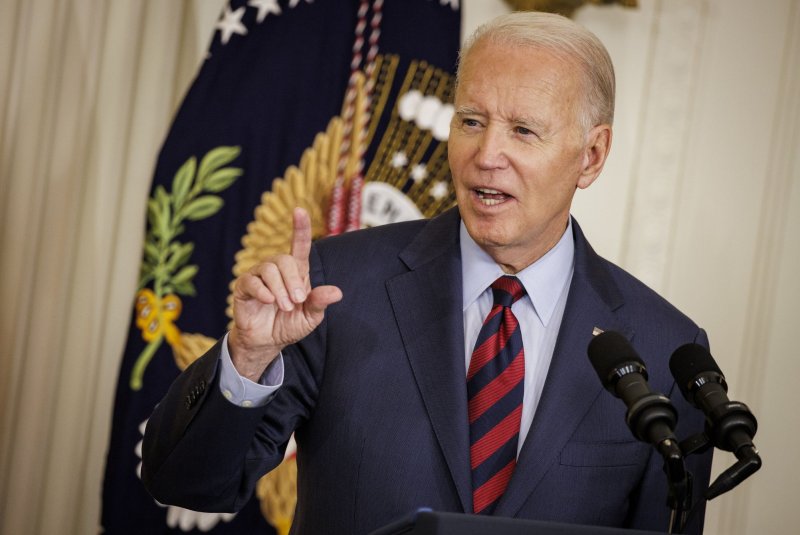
pixel 544 280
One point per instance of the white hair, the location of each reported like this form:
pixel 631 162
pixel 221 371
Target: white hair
pixel 564 37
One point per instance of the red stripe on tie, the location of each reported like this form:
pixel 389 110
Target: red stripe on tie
pixel 492 313
pixel 482 355
pixel 510 285
pixel 492 346
pixel 498 387
pixel 507 429
pixel 496 406
pixel 489 492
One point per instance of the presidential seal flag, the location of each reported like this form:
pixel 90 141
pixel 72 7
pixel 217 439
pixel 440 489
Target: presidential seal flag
pixel 340 107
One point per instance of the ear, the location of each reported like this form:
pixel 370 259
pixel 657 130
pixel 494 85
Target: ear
pixel 598 143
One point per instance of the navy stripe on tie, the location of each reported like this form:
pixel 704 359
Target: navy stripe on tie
pixel 497 412
pixel 496 366
pixel 495 388
pixel 490 325
pixel 495 462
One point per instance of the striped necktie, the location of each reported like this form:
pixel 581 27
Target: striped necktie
pixel 494 392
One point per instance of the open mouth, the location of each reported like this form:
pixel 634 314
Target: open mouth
pixel 491 197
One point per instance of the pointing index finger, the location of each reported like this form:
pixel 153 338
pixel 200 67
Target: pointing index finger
pixel 301 236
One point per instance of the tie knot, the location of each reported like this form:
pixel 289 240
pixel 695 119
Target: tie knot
pixel 507 290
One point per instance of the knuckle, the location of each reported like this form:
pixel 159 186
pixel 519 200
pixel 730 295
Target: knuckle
pixel 269 270
pixel 286 262
pixel 244 283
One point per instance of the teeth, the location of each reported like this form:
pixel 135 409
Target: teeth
pixel 490 197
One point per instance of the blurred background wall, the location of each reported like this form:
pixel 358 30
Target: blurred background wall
pixel 700 199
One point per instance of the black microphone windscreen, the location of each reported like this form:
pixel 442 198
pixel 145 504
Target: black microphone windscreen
pixel 608 351
pixel 689 361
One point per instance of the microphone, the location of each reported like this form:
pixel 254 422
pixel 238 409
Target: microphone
pixel 729 424
pixel 651 416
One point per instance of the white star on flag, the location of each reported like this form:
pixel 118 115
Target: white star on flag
pixel 231 23
pixel 439 190
pixel 452 3
pixel 399 160
pixel 419 173
pixel 293 3
pixel 265 7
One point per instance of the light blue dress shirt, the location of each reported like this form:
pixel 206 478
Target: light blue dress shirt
pixel 242 391
pixel 539 313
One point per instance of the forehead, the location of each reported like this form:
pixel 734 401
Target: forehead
pixel 510 72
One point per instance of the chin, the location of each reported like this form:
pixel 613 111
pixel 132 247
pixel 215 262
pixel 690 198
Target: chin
pixel 488 237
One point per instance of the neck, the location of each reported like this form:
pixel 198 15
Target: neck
pixel 513 259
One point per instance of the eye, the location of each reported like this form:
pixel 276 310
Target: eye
pixel 470 123
pixel 521 130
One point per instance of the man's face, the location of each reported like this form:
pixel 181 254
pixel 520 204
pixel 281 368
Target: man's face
pixel 517 150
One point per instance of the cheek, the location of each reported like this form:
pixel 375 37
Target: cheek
pixel 458 161
pixel 551 178
pixel 461 193
pixel 462 147
pixel 456 151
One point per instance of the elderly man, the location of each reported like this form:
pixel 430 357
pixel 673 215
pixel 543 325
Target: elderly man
pixel 453 373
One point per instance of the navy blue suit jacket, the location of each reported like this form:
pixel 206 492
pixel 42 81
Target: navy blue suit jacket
pixel 377 397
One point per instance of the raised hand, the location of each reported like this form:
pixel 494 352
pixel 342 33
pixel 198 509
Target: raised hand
pixel 274 305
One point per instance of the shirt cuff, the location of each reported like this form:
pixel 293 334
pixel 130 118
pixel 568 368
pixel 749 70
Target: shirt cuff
pixel 242 391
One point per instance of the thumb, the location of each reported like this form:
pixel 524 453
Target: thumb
pixel 320 297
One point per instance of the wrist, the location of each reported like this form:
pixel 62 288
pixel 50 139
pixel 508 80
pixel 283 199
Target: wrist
pixel 250 361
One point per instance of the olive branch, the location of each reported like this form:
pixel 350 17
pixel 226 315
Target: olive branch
pixel 166 260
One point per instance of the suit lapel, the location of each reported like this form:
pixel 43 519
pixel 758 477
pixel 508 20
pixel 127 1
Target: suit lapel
pixel 427 304
pixel 572 385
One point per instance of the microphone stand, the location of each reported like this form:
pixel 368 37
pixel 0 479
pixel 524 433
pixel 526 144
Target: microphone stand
pixel 652 418
pixel 736 426
pixel 679 481
pixel 747 464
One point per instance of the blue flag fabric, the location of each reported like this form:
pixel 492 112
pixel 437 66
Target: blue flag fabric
pixel 339 106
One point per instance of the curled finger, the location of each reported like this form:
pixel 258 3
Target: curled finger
pixel 272 276
pixel 294 278
pixel 251 286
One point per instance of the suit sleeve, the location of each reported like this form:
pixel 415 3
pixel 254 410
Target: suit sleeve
pixel 649 502
pixel 205 453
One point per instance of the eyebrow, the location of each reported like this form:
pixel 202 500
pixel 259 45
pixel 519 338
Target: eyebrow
pixel 524 120
pixel 530 122
pixel 466 110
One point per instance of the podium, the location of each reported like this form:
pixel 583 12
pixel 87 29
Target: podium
pixel 427 522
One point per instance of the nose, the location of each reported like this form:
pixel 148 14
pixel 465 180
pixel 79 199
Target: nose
pixel 492 149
